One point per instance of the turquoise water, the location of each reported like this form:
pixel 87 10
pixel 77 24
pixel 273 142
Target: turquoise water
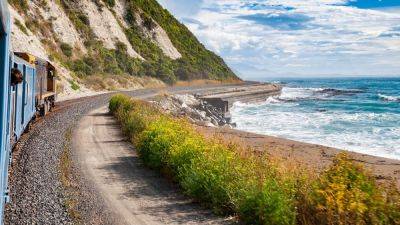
pixel 356 114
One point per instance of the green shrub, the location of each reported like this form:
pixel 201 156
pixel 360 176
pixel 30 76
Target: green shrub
pixel 78 18
pixel 21 26
pixel 347 194
pixel 81 68
pixel 21 5
pixel 117 101
pixel 157 141
pixel 74 85
pixel 210 178
pixel 147 21
pixel 134 115
pixel 66 49
pixel 110 3
pixel 270 204
pixel 33 25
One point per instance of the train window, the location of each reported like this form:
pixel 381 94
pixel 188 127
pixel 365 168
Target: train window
pixel 16 76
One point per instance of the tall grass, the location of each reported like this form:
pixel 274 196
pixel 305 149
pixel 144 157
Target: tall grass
pixel 258 190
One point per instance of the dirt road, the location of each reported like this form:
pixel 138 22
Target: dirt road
pixel 138 195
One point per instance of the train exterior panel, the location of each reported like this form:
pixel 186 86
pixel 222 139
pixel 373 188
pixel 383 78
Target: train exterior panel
pixel 4 103
pixel 29 97
pixel 23 104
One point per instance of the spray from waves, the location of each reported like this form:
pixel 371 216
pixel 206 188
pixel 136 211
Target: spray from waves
pixel 272 100
pixel 389 98
pixel 295 94
pixel 291 94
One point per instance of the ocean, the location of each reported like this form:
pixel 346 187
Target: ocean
pixel 355 114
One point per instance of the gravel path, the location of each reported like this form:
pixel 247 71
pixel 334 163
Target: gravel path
pixel 38 195
pixel 135 193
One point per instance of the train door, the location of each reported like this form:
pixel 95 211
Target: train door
pixel 29 110
pixel 18 104
pixel 12 113
pixel 31 91
pixel 24 97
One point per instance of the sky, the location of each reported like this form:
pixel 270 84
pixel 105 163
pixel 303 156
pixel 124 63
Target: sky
pixel 278 38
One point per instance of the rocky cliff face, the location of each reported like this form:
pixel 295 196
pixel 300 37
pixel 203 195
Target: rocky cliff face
pixel 111 44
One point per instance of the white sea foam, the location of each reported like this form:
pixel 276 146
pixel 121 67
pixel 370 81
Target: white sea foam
pixel 239 104
pixel 271 100
pixel 291 94
pixel 363 132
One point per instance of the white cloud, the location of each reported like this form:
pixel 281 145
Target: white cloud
pixel 311 37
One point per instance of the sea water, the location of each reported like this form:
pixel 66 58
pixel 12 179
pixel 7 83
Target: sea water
pixel 355 114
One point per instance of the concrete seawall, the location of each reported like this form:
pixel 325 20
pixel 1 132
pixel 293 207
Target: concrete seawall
pixel 224 98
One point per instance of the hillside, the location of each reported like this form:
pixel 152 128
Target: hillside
pixel 112 44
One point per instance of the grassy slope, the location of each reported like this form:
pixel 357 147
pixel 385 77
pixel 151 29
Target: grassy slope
pixel 205 63
pixel 197 62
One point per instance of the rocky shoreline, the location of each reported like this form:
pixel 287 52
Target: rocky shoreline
pixel 211 109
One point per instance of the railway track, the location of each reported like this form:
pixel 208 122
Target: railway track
pixel 37 193
pixel 35 189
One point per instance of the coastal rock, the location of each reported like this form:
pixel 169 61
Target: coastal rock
pixel 335 92
pixel 227 126
pixel 197 111
pixel 189 100
pixel 214 121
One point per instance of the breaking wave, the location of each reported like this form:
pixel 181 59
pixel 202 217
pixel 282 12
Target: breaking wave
pixel 389 98
pixel 290 94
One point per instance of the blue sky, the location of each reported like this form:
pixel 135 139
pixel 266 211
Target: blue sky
pixel 370 4
pixel 275 38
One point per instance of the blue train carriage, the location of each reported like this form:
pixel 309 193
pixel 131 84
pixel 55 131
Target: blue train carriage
pixel 45 95
pixel 22 96
pixel 4 103
pixel 27 88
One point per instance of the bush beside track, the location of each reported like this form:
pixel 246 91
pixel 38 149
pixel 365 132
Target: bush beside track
pixel 234 180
